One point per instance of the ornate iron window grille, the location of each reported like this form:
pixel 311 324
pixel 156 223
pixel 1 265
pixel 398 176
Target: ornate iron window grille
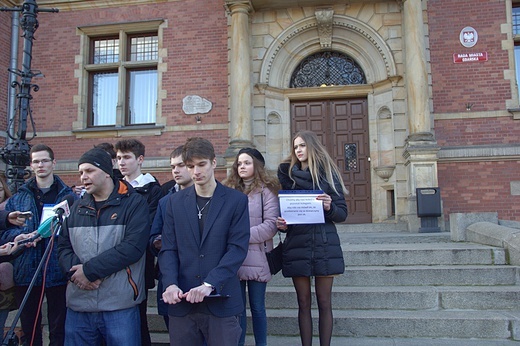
pixel 327 69
pixel 351 157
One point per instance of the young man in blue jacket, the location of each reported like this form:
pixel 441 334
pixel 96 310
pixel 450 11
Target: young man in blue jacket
pixel 182 179
pixel 44 188
pixel 102 249
pixel 205 238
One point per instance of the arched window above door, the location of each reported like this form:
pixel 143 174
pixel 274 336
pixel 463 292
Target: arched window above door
pixel 327 69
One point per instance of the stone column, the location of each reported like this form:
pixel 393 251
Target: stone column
pixel 240 130
pixel 415 68
pixel 420 148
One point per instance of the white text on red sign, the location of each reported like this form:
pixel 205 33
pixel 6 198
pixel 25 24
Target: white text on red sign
pixel 470 57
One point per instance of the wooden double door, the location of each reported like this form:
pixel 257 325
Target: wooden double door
pixel 342 126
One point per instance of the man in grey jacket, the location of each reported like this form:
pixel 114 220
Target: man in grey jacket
pixel 101 248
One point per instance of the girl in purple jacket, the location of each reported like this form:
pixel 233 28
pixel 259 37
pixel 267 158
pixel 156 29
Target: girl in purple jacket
pixel 248 175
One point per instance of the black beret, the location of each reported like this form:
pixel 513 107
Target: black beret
pixel 253 153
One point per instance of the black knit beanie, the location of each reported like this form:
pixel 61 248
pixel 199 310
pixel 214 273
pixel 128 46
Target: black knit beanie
pixel 99 158
pixel 253 153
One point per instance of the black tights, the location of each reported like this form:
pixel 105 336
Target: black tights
pixel 323 285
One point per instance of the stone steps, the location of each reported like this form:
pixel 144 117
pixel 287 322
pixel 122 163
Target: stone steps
pixel 409 324
pixel 408 298
pixel 490 324
pixel 161 339
pixel 419 288
pixel 428 275
pixel 423 275
pixel 422 254
pixel 402 298
pixel 373 228
pixel 372 341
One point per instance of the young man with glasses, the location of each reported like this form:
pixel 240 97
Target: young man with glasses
pixel 43 188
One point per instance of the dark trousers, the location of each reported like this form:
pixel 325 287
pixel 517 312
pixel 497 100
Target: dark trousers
pixel 145 333
pixel 204 329
pixel 31 312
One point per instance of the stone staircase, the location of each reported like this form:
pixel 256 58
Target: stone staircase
pixel 412 287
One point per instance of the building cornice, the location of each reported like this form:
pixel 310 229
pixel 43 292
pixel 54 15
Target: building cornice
pixel 74 5
pixel 472 115
pixel 259 5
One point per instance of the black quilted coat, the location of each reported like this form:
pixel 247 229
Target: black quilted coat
pixel 313 249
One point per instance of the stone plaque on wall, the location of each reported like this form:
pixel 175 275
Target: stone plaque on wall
pixel 194 104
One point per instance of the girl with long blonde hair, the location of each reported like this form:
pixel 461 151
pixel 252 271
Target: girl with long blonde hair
pixel 313 250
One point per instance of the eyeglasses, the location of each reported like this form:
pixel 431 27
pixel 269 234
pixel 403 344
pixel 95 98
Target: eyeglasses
pixel 37 162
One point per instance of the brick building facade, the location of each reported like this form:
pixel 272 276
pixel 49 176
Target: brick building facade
pixel 417 119
pixel 475 108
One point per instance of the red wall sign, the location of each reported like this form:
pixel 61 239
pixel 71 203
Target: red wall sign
pixel 470 57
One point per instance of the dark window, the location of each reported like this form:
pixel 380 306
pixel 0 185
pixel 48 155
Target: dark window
pixel 144 48
pixel 516 31
pixel 516 19
pixel 105 51
pixel 351 157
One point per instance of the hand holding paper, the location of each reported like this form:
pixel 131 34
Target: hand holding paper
pixel 327 201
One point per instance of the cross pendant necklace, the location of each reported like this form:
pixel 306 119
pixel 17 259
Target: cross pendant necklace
pixel 200 210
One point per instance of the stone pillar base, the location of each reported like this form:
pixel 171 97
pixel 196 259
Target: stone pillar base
pixel 421 161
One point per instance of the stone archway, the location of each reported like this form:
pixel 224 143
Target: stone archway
pixel 351 37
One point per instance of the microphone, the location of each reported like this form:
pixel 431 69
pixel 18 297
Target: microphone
pixel 43 231
pixel 62 209
pixel 46 227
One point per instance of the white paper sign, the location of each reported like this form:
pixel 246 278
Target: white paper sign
pixel 47 212
pixel 301 206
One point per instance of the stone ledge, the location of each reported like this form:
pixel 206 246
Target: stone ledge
pixel 480 153
pixel 459 222
pixel 495 235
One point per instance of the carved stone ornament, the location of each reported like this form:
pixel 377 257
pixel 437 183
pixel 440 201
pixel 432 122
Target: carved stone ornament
pixel 194 104
pixel 231 5
pixel 384 172
pixel 324 18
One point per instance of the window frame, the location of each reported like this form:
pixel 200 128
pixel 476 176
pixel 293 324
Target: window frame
pixel 516 35
pixel 515 83
pixel 90 98
pixel 87 69
pixel 128 113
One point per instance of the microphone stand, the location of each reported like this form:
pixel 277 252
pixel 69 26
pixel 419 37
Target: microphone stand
pixel 10 338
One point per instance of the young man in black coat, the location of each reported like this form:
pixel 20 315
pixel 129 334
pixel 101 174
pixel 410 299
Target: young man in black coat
pixel 130 158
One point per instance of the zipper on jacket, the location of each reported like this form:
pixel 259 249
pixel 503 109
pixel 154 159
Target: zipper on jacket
pixel 132 283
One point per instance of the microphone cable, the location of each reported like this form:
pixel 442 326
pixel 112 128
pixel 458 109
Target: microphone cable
pixel 44 277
